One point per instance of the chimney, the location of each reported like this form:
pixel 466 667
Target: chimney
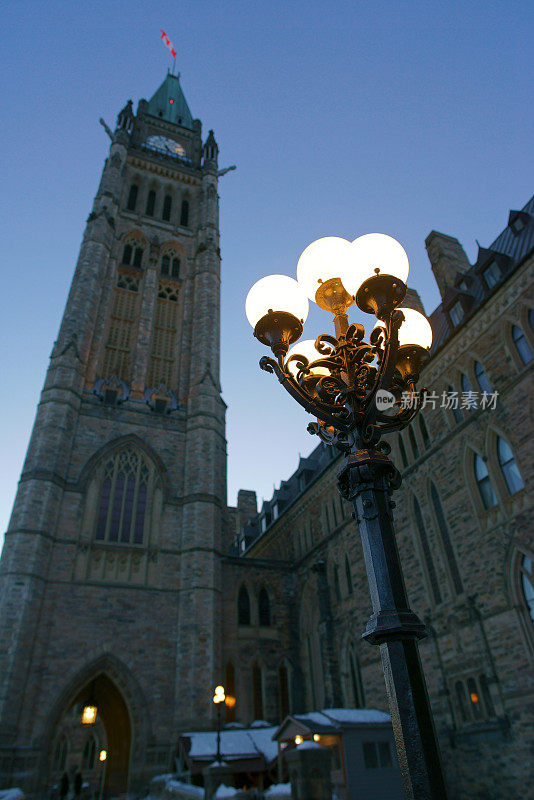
pixel 447 258
pixel 412 300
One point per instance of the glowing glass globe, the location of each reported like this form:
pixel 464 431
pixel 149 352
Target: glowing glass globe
pixel 276 293
pixel 372 252
pixel 415 329
pixel 322 260
pixel 306 349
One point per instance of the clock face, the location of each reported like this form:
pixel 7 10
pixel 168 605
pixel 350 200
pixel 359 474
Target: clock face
pixel 164 145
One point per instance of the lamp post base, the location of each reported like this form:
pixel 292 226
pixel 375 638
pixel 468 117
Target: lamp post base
pixel 367 479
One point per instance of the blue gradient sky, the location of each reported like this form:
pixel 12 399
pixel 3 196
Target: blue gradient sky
pixel 342 118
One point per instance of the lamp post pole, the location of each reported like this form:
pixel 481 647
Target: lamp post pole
pixel 218 698
pixel 358 391
pixel 367 479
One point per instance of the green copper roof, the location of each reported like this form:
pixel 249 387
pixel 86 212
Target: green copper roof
pixel 169 103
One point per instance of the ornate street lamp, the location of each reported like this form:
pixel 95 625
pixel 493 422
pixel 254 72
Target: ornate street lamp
pixel 358 390
pixel 218 698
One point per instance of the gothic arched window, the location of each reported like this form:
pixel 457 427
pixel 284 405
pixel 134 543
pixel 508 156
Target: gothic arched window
pixel 230 691
pixel 427 554
pixel 424 431
pixel 413 442
pixel 61 752
pixel 257 691
pixel 337 589
pixel 446 540
pixel 123 498
pixel 283 690
pixel 482 380
pixel 132 197
pixel 402 451
pixel 454 404
pixel 348 576
pixel 484 483
pixel 467 391
pixel 356 680
pixel 521 345
pixel 264 608
pixel 512 476
pixel 243 607
pixel 527 584
pixel 167 206
pixel 150 203
pixel 138 257
pixel 184 214
pixel 89 752
pixel 127 254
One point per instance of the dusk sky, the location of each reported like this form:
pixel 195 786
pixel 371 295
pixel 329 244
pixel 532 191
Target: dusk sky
pixel 342 118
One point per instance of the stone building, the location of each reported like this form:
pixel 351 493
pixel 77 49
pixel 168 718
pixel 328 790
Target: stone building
pixel 110 575
pixel 127 584
pixel 465 528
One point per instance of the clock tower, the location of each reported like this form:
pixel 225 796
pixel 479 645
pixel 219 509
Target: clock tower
pixel 110 574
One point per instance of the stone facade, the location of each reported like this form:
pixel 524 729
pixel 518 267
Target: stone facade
pixel 464 519
pixel 110 567
pixel 126 580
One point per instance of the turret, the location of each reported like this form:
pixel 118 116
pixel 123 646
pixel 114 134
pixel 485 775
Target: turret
pixel 210 152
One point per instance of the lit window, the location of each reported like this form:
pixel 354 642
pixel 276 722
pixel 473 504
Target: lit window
pixel 456 313
pixel 521 345
pixel 481 378
pixel 474 697
pixel 509 468
pixel 484 483
pixel 492 275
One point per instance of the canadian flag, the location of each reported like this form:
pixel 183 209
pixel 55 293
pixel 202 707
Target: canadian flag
pixel 168 42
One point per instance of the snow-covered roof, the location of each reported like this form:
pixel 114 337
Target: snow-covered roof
pixel 335 719
pixel 357 716
pixel 235 744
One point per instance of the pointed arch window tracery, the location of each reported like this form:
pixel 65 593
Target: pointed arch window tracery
pixel 124 495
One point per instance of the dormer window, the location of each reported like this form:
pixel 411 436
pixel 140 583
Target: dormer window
pixel 462 286
pixel 491 275
pixel 456 313
pixel 517 225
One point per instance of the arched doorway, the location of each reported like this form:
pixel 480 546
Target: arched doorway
pixel 78 747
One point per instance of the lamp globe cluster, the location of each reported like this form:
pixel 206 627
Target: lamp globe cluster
pixel 335 273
